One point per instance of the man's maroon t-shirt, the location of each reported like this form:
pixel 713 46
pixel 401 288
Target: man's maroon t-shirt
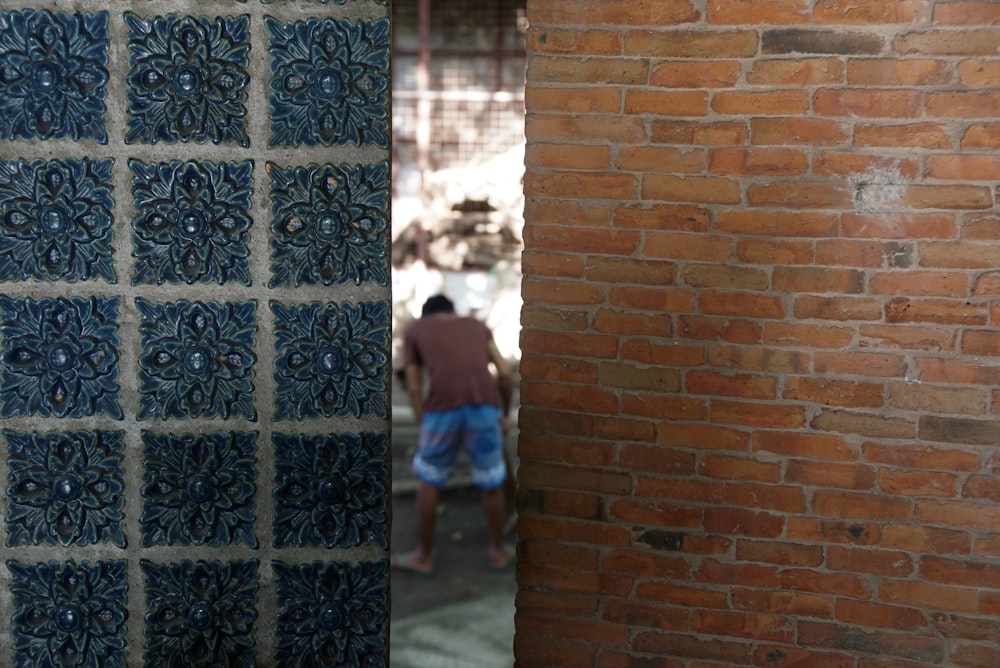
pixel 455 352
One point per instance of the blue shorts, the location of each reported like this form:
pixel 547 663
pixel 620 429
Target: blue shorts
pixel 474 429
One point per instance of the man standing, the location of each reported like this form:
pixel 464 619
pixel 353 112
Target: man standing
pixel 465 409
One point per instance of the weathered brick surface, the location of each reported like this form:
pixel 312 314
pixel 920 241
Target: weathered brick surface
pixel 760 348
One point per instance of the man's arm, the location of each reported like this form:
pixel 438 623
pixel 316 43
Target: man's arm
pixel 415 388
pixel 504 378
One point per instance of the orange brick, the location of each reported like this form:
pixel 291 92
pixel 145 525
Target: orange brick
pixel 573 99
pixel 574 70
pixel 969 13
pixel 859 364
pixel 813 336
pixel 691 44
pixel 965 104
pixel 982 135
pixel 622 270
pixel 892 72
pixel 730 385
pixel 655 459
pixel 581 128
pixel 660 160
pixel 616 12
pixel 645 351
pixel 702 437
pixel 948 43
pixel 761 103
pixel 696 189
pixel 699 133
pixel 679 217
pixel 915 135
pixel 552 291
pixel 581 42
pixel 838 308
pixel 569 343
pixel 947 312
pixel 769 251
pixel 663 408
pixel 913 538
pixel 900 226
pixel 917 483
pixel 750 12
pixel 798 131
pixel 845 584
pixel 683 246
pixel 696 74
pixel 862 253
pixel 835 392
pixel 560 156
pixel 849 505
pixel 559 370
pixel 888 563
pixel 777 223
pixel 856 165
pixel 740 468
pixel 552 264
pixel 553 212
pixel 865 12
pixel 920 284
pixel 869 103
pixel 908 338
pixel 757 162
pixel 817 279
pixel 866 613
pixel 585 240
pixel 666 103
pixel 826 447
pixel 560 396
pixel 978 74
pixel 826 474
pixel 586 185
pixel 800 194
pixel 799 72
pixel 746 304
pixel 963 167
pixel 622 322
pixel 719 328
pixel 757 415
pixel 929 596
pixel 757 358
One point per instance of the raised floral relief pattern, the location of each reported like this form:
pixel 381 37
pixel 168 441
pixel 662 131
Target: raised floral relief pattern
pixel 330 82
pixel 329 490
pixel 68 614
pixel 192 222
pixel 188 79
pixel 331 359
pixel 199 489
pixel 53 75
pixel 65 489
pixel 197 359
pixel 329 224
pixel 55 220
pixel 332 614
pixel 59 357
pixel 200 613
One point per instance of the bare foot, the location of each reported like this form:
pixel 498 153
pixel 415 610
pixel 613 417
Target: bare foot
pixel 413 562
pixel 502 559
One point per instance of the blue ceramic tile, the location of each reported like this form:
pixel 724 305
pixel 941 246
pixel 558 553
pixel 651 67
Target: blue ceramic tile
pixel 332 614
pixel 188 79
pixel 53 72
pixel 329 224
pixel 69 614
pixel 199 489
pixel 65 489
pixel 55 220
pixel 60 357
pixel 192 221
pixel 197 359
pixel 331 359
pixel 200 613
pixel 329 83
pixel 330 490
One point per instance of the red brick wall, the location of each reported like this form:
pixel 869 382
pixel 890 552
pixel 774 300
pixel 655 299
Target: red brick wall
pixel 760 346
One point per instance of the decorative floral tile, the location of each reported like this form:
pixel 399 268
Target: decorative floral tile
pixel 331 359
pixel 330 490
pixel 199 489
pixel 330 82
pixel 200 613
pixel 65 489
pixel 59 357
pixel 188 79
pixel 329 224
pixel 197 359
pixel 69 614
pixel 53 72
pixel 55 220
pixel 332 614
pixel 192 221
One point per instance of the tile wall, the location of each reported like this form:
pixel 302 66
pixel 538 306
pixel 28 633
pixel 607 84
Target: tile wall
pixel 194 333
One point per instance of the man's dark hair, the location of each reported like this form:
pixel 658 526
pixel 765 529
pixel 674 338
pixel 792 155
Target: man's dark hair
pixel 437 304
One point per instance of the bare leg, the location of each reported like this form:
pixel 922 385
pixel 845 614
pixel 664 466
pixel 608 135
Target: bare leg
pixel 495 502
pixel 421 560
